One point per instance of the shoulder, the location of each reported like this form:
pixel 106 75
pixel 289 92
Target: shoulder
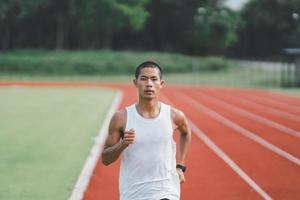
pixel 120 114
pixel 178 117
pixel 119 118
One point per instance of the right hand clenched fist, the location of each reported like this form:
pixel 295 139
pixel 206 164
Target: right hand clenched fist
pixel 128 137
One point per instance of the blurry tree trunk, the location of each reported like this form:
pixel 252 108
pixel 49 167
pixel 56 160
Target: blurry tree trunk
pixel 84 40
pixel 91 40
pixel 5 39
pixel 60 31
pixel 107 38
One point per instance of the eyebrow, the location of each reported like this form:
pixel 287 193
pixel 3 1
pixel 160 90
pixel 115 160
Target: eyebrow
pixel 144 76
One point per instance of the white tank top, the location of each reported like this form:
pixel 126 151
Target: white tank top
pixel 148 166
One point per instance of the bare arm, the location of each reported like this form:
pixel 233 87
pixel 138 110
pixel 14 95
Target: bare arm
pixel 181 124
pixel 115 143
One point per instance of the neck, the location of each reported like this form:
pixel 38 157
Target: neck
pixel 148 109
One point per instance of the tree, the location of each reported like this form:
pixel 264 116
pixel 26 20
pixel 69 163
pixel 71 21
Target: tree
pixel 269 27
pixel 67 23
pixel 215 28
pixel 168 24
pixel 101 19
pixel 12 12
pixel 176 25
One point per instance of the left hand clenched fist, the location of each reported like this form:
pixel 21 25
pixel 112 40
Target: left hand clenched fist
pixel 181 175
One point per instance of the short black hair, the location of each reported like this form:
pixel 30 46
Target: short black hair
pixel 145 65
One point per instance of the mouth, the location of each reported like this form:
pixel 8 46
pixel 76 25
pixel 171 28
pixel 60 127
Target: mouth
pixel 149 91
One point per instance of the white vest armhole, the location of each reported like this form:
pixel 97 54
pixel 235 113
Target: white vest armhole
pixel 128 112
pixel 173 125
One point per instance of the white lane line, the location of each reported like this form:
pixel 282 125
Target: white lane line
pixel 199 133
pixel 274 111
pixel 277 99
pixel 239 129
pixel 90 164
pixel 228 161
pixel 252 116
pixel 273 102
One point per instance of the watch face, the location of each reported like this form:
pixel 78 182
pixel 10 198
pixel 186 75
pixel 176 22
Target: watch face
pixel 182 167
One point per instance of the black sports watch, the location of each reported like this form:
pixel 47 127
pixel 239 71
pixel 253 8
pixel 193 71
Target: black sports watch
pixel 182 167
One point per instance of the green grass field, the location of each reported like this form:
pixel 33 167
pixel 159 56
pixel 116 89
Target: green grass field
pixel 46 135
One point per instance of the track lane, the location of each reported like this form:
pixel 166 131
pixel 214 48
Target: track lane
pixel 292 100
pixel 284 141
pixel 283 117
pixel 236 187
pixel 249 105
pixel 274 96
pixel 214 175
pixel 266 101
pixel 288 126
pixel 245 152
pixel 239 129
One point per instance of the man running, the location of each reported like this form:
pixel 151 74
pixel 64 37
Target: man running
pixel 143 134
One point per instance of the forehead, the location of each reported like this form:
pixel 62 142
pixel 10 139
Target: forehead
pixel 149 71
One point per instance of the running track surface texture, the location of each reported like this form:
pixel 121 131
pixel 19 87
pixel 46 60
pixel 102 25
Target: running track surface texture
pixel 245 144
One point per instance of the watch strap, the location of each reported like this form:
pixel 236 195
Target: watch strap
pixel 182 167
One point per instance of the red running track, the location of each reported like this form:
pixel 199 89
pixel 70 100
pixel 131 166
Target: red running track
pixel 208 175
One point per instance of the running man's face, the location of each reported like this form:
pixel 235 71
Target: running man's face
pixel 148 83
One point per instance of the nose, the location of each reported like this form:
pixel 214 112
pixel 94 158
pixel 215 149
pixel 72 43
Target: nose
pixel 149 83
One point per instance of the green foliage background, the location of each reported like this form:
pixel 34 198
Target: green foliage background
pixel 194 27
pixel 102 62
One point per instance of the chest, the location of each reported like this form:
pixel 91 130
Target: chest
pixel 151 132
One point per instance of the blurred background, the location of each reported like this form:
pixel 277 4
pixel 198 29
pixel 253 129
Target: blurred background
pixel 46 133
pixel 218 42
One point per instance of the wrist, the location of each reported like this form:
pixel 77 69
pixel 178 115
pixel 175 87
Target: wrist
pixel 123 145
pixel 181 167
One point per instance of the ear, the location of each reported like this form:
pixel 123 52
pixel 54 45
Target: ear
pixel 134 82
pixel 162 83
